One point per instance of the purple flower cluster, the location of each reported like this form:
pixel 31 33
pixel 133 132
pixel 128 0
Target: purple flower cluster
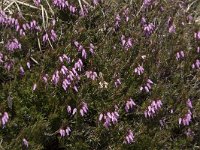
pixel 84 109
pixel 84 12
pixel 37 2
pixel 180 55
pixel 153 108
pixel 78 65
pixel 148 29
pixel 64 58
pixel 170 25
pixel 126 42
pixel 129 138
pixel 117 83
pixel 32 26
pixel 71 111
pixel 188 116
pixel 139 70
pixel 186 119
pixel 25 142
pixel 96 2
pixel 55 78
pixel 34 86
pixel 126 14
pixel 147 3
pixel 14 23
pixel 129 105
pixel 63 4
pixel 117 21
pixel 197 35
pixel 45 78
pixel 91 75
pixel 1 58
pixel 12 45
pixel 92 48
pixel 189 133
pixel 8 64
pixel 71 75
pixel 65 132
pixel 189 103
pixel 28 65
pixel 22 72
pixel 4 119
pixel 51 36
pixel 68 76
pixel 7 20
pixel 196 65
pixel 109 118
pixel 81 49
pixel 172 29
pixel 147 86
pixel 198 49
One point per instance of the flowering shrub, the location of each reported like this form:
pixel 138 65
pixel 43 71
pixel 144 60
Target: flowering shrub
pixel 97 74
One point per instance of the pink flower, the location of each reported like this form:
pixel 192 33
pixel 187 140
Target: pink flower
pixel 69 109
pixel 84 109
pixel 126 14
pixel 45 37
pixel 37 2
pixel 186 119
pixel 60 4
pixel 4 119
pixel 129 105
pixel 74 111
pixel 91 48
pixel 75 88
pixel 172 29
pixel 180 121
pixel 53 35
pixel 189 103
pixel 117 83
pixel 129 138
pixel 22 72
pixel 28 65
pixel 180 55
pixel 148 29
pixel 147 87
pixel 13 45
pixel 34 87
pixel 147 3
pixel 45 78
pixel 117 21
pixel 91 75
pixel 95 2
pixel 198 49
pixel 62 132
pixel 196 65
pixel 25 142
pixel 139 70
pixel 197 35
pixel 126 43
pixel 153 108
pixel 100 117
pixel 55 78
pixel 67 130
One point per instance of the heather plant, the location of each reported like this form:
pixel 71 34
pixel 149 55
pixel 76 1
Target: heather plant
pixel 99 74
